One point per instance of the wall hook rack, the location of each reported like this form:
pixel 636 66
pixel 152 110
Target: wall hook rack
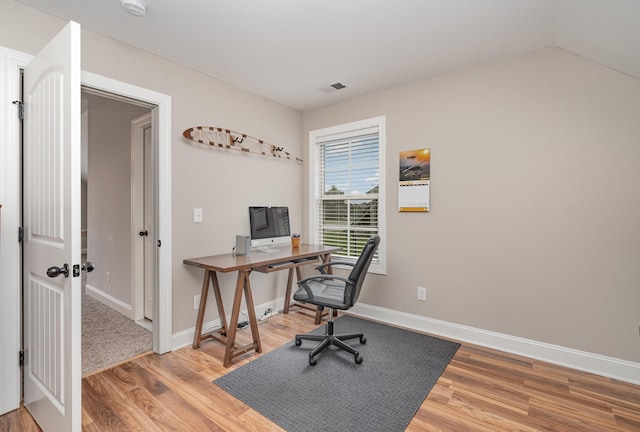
pixel 231 140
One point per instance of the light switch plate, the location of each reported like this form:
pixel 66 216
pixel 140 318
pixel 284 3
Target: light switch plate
pixel 197 215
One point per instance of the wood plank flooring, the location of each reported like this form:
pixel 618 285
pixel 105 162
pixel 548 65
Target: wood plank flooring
pixel 481 390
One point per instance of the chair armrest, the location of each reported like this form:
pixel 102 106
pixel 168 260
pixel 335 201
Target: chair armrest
pixel 303 282
pixel 325 277
pixel 321 267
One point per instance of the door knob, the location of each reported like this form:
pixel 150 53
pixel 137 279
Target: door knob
pixel 57 271
pixel 143 233
pixel 88 267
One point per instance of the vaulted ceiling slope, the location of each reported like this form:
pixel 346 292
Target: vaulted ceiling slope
pixel 291 51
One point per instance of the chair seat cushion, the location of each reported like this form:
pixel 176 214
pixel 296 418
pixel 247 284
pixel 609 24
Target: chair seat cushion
pixel 325 293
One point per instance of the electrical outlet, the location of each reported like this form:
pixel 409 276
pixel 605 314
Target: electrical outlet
pixel 422 294
pixel 196 302
pixel 108 278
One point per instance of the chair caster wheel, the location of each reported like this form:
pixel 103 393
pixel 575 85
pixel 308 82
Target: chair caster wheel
pixel 363 340
pixel 312 361
pixel 298 342
pixel 358 359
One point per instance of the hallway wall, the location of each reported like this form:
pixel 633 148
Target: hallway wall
pixel 109 199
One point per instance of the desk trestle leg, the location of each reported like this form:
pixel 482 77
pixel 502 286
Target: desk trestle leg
pixel 231 350
pixel 203 301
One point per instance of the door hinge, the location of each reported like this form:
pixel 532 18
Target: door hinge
pixel 21 358
pixel 20 234
pixel 20 109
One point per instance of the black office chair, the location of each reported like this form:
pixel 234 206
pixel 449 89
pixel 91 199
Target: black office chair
pixel 335 292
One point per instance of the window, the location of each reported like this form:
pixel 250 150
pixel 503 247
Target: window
pixel 346 169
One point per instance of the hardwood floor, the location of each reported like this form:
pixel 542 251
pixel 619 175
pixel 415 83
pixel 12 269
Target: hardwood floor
pixel 481 390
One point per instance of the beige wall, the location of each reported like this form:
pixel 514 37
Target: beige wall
pixel 222 184
pixel 109 195
pixel 534 229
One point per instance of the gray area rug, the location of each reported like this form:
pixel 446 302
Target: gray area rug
pixel 383 393
pixel 108 337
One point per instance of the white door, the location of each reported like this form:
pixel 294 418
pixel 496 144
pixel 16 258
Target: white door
pixel 148 247
pixel 52 373
pixel 141 134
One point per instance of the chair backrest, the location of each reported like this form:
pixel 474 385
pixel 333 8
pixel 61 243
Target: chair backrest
pixel 359 271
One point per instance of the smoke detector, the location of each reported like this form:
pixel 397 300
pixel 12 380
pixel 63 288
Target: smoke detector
pixel 134 7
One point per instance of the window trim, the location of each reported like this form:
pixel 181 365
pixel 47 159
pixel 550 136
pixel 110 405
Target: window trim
pixel 351 128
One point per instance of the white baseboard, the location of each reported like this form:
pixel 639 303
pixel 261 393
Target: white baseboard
pixel 110 301
pixel 580 360
pixel 588 362
pixel 185 338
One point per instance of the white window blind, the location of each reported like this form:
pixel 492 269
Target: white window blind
pixel 347 183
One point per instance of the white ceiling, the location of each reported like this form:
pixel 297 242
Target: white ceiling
pixel 291 50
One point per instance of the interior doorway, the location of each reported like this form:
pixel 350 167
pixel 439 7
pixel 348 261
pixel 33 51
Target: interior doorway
pixel 160 236
pixel 117 186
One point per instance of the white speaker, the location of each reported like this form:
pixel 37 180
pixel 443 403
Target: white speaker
pixel 243 244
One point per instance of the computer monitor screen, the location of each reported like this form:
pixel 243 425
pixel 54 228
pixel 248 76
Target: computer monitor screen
pixel 269 226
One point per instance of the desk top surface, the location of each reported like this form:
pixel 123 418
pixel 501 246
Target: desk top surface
pixel 230 262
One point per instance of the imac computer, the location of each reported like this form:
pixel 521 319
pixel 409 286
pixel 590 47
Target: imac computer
pixel 269 226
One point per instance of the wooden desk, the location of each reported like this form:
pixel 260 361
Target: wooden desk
pixel 285 258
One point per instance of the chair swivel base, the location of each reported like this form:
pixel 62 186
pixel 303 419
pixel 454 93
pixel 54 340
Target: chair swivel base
pixel 329 339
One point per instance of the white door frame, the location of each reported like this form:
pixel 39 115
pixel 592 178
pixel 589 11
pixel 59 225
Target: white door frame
pixel 162 326
pixel 11 63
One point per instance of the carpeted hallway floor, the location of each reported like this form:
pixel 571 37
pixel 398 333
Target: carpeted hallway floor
pixel 108 337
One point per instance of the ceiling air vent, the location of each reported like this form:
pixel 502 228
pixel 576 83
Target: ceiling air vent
pixel 333 87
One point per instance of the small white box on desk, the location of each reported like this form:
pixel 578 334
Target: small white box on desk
pixel 243 244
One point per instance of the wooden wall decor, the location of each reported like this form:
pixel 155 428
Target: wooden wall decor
pixel 231 140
